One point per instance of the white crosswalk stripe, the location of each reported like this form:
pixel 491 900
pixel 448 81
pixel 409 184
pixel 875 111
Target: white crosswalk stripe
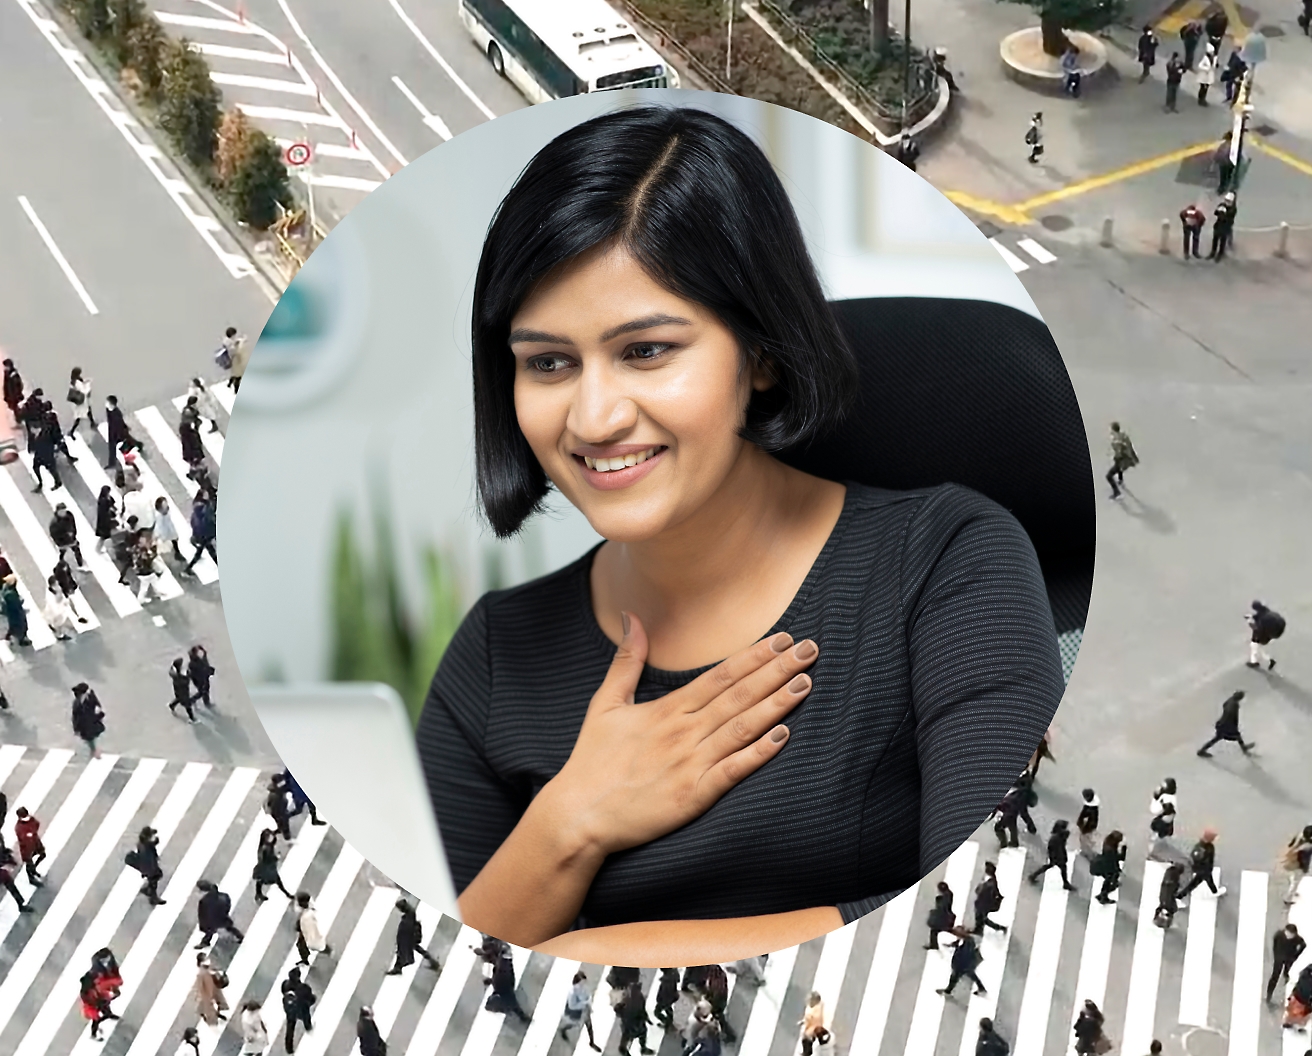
pixel 877 986
pixel 1031 248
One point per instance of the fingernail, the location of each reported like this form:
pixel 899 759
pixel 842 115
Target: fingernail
pixel 805 651
pixel 624 619
pixel 779 734
pixel 781 641
pixel 799 685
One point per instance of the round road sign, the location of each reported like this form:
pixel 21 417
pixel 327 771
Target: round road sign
pixel 298 154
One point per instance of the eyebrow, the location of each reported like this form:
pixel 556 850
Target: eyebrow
pixel 525 335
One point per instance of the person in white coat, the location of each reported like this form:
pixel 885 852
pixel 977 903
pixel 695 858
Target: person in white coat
pixel 308 935
pixel 206 405
pixel 58 611
pixel 1206 74
pixel 166 533
pixel 254 1034
pixel 79 398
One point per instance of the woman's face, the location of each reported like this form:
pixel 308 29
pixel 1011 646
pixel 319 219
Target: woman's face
pixel 613 370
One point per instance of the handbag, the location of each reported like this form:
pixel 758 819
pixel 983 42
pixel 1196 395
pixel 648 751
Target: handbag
pixel 76 396
pixel 221 980
pixel 1102 1045
pixel 223 357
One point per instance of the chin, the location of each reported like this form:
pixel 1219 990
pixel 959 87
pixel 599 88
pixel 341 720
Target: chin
pixel 620 526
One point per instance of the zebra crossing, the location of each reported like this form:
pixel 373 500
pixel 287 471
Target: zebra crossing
pixel 879 985
pixel 25 517
pixel 1035 251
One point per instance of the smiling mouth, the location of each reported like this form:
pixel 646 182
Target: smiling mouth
pixel 609 465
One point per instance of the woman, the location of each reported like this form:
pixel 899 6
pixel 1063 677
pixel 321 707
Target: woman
pixel 254 1034
pixel 1089 1038
pixel 266 867
pixel 1297 861
pixel 634 1021
pixel 100 986
pixel 211 1005
pixel 88 717
pixel 578 1010
pixel 1206 72
pixel 165 530
pixel 15 613
pixel 707 1043
pixel 368 1035
pixel 1299 1007
pixel 813 1024
pixel 147 565
pixel 309 937
pixel 206 405
pixel 106 516
pixel 79 398
pixel 647 329
pixel 147 864
pixel 1168 895
pixel 193 451
pixel 1162 826
pixel 200 671
pixel 58 611
pixel 1108 865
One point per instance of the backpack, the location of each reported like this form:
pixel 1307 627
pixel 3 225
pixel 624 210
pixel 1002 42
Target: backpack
pixel 1198 856
pixel 1275 624
pixel 223 357
pixel 76 396
pixel 133 859
pixel 1098 867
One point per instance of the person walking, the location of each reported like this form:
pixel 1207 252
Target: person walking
pixel 1168 896
pixel 1216 26
pixel 988 899
pixel 634 1021
pixel 1192 220
pixel 13 389
pixel 1206 74
pixel 88 717
pixel 966 958
pixel 716 991
pixel 8 870
pixel 193 450
pixel 1089 1037
pixel 1124 457
pixel 942 72
pixel 1042 752
pixel 213 914
pixel 1202 860
pixel 300 801
pixel 990 1042
pixel 1057 854
pixel 119 436
pixel 266 867
pixel 1233 75
pixel 63 533
pixel 503 997
pixel 165 531
pixel 254 1034
pixel 1086 823
pixel 1006 816
pixel 1265 625
pixel 58 611
pixel 202 532
pixel 205 403
pixel 410 940
pixel 1287 946
pixel 908 151
pixel 1148 44
pixel 1305 18
pixel 1034 138
pixel 144 858
pixel 147 566
pixel 106 517
pixel 578 1009
pixel 309 939
pixel 1109 865
pixel 211 1005
pixel 199 673
pixel 277 806
pixel 1223 226
pixel 941 917
pixel 15 614
pixel 1161 827
pixel 50 421
pixel 41 446
pixel 667 995
pixel 1297 861
pixel 297 1000
pixel 1298 1009
pixel 32 852
pixel 1028 798
pixel 233 356
pixel 33 413
pixel 63 576
pixel 96 995
pixel 181 690
pixel 79 399
pixel 368 1035
pixel 812 1023
pixel 1175 68
pixel 1227 726
pixel 699 1023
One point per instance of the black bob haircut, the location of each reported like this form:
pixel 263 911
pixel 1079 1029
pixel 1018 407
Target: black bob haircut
pixel 698 205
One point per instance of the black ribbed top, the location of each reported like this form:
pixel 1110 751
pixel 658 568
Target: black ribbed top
pixel 937 677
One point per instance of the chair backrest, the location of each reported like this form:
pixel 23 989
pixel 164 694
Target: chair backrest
pixel 972 393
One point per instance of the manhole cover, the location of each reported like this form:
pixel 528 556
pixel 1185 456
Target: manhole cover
pixel 1266 130
pixel 1271 31
pixel 1056 222
pixel 989 230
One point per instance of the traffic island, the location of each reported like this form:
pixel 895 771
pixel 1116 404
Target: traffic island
pixel 1026 62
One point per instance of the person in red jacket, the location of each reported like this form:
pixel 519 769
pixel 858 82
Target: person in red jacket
pixel 99 987
pixel 27 830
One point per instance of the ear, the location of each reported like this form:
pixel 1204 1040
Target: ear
pixel 763 373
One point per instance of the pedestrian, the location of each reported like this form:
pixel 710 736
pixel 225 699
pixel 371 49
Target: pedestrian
pixel 118 434
pixel 1298 1009
pixel 1163 803
pixel 191 1038
pixel 1192 220
pixel 1005 818
pixel 1297 861
pixel 578 1009
pixel 1174 75
pixel 193 450
pixel 300 801
pixel 1202 860
pixel 942 72
pixel 1305 18
pixel 503 997
pixel 8 869
pixel 1070 66
pixel 716 991
pixel 1227 726
pixel 990 1042
pixel 1086 823
pixel 813 1024
pixel 750 972
pixel 988 899
pixel 1287 946
pixel 254 1034
pixel 95 1006
pixel 410 940
pixel 79 399
pixel 1233 75
pixel 58 611
pixel 41 446
pixel 200 671
pixel 634 1021
pixel 15 613
pixel 1043 751
pixel 147 565
pixel 165 531
pixel 1190 34
pixel 67 583
pixel 1161 829
pixel 707 1043
pixel 1027 798
pixel 1216 25
pixel 106 517
pixel 131 482
pixel 213 914
pixel 368 1035
pixel 1124 457
pixel 297 1000
pixel 1109 865
pixel 1266 626
pixel 211 1005
pixel 489 952
pixel 88 717
pixel 908 151
pixel 1225 168
pixel 941 917
pixel 1206 74
pixel 206 405
pixel 144 858
pixel 266 867
pixel 1034 137
pixel 1168 895
pixel 181 690
pixel 1057 854
pixel 27 834
pixel 700 1021
pixel 1148 44
pixel 50 420
pixel 63 533
pixel 966 958
pixel 667 994
pixel 277 807
pixel 121 545
pixel 1089 1036
pixel 309 939
pixel 13 389
pixel 232 356
pixel 618 979
pixel 202 532
pixel 33 413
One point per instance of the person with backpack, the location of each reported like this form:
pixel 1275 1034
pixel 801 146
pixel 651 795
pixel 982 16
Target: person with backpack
pixel 32 852
pixel 1227 726
pixel 941 917
pixel 1109 865
pixel 1297 861
pixel 1123 457
pixel 966 958
pixel 1168 896
pixel 214 914
pixel 988 899
pixel 144 858
pixel 1057 854
pixel 990 1042
pixel 1202 860
pixel 297 1000
pixel 1287 946
pixel 578 1009
pixel 1034 138
pixel 1266 626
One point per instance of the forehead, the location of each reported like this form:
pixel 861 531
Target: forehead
pixel 607 281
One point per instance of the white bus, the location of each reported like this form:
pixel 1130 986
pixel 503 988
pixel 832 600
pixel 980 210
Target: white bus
pixel 553 48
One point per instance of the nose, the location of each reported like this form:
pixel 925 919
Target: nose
pixel 601 409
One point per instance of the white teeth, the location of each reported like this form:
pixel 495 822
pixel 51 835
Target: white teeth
pixel 606 465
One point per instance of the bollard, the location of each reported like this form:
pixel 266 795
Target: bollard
pixel 1282 246
pixel 1165 247
pixel 1107 232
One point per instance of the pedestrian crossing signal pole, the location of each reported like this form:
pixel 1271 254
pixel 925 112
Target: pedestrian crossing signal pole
pixel 1253 51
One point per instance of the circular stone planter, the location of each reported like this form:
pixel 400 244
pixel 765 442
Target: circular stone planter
pixel 1026 62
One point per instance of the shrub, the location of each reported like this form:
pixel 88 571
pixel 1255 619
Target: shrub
pixel 125 18
pixel 147 46
pixel 259 184
pixel 189 104
pixel 233 149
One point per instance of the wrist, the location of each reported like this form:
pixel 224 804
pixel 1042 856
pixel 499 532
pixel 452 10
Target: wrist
pixel 562 826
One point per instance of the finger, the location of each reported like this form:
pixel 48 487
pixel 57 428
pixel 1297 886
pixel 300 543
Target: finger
pixel 725 675
pixel 731 770
pixel 621 681
pixel 744 728
pixel 755 686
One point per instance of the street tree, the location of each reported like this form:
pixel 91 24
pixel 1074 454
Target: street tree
pixel 235 143
pixel 1057 16
pixel 260 185
pixel 147 46
pixel 189 107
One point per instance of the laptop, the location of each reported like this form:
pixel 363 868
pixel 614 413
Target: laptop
pixel 351 747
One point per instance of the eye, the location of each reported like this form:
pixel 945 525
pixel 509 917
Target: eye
pixel 645 353
pixel 550 364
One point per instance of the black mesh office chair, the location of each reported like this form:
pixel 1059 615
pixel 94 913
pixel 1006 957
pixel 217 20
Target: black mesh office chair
pixel 972 393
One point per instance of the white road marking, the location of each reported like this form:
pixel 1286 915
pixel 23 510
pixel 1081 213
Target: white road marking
pixel 327 150
pixel 1250 949
pixel 296 117
pixel 60 259
pixel 346 183
pixel 219 25
pixel 1095 960
pixel 264 84
pixel 225 51
pixel 169 446
pixel 442 1001
pixel 1014 262
pixel 829 973
pixel 1146 965
pixel 430 119
pixel 993 945
pixel 485 1029
pixel 767 1004
pixel 1040 254
pixel 446 66
pixel 872 1018
pixel 394 988
pixel 1196 975
pixel 544 1027
pixel 1045 952
pixel 222 392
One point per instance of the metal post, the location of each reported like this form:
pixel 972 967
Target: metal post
pixel 1282 246
pixel 1107 232
pixel 728 48
pixel 906 59
pixel 1165 247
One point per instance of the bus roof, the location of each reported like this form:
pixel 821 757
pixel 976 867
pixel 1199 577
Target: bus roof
pixel 589 35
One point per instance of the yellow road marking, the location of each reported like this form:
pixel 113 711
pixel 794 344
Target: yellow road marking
pixel 1006 213
pixel 1128 172
pixel 1237 30
pixel 1186 12
pixel 1280 155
